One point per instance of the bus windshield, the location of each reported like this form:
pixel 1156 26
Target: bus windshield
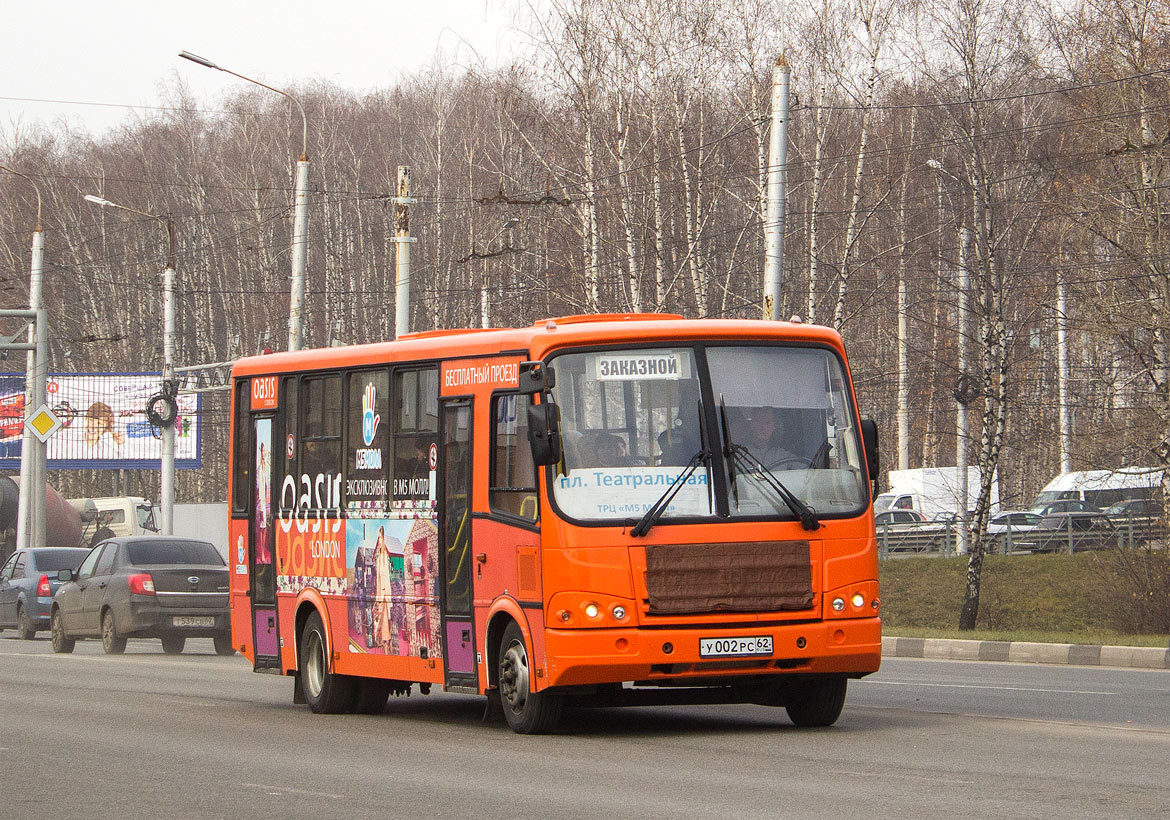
pixel 631 420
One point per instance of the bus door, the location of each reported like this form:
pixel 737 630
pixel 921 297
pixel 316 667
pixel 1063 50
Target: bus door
pixel 262 539
pixel 455 544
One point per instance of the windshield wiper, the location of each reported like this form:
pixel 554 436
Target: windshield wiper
pixel 659 507
pixel 739 456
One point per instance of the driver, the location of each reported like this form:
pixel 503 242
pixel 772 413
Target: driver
pixel 762 436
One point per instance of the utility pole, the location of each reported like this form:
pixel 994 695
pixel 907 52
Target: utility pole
pixel 300 241
pixel 300 246
pixel 402 242
pixel 777 173
pixel 167 467
pixel 169 413
pixel 962 392
pixel 1062 373
pixel 30 516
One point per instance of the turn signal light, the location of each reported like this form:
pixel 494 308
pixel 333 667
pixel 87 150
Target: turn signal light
pixel 141 584
pixel 43 588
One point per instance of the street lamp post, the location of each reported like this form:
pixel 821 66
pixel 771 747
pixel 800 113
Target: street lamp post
pixel 167 466
pixel 30 514
pixel 296 302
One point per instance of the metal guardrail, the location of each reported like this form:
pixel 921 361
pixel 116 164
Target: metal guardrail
pixel 940 539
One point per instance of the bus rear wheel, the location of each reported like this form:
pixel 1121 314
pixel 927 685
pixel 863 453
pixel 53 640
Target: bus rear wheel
pixel 527 712
pixel 325 691
pixel 816 702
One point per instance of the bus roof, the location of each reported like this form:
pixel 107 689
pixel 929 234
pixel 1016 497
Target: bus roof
pixel 537 340
pixel 1122 478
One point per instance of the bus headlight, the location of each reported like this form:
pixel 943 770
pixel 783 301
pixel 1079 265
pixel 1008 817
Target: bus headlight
pixel 838 604
pixel 858 600
pixel 591 610
pixel 619 612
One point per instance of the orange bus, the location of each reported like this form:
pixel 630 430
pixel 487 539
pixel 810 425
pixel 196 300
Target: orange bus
pixel 610 509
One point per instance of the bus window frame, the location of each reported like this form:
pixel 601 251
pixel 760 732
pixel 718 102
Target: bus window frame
pixel 241 437
pixel 495 512
pixel 324 513
pixel 415 434
pixel 347 376
pixel 721 513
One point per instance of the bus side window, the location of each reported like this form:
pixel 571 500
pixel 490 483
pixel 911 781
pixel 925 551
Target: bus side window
pixel 416 430
pixel 320 450
pixel 512 489
pixel 286 448
pixel 241 457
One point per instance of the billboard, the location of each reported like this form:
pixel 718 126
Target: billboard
pixel 104 425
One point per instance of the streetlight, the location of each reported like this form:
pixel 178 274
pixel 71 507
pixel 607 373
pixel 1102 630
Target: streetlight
pixel 296 303
pixel 31 504
pixel 167 466
pixel 962 425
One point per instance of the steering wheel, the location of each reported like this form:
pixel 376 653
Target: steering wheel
pixel 787 463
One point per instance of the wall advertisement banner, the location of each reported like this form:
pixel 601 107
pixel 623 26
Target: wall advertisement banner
pixel 104 424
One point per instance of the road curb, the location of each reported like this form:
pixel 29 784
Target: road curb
pixel 1132 657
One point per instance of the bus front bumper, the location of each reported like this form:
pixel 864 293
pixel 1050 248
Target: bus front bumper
pixel 666 654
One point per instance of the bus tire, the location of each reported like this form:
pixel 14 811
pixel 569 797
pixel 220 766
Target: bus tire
pixel 325 691
pixel 527 712
pixel 816 702
pixel 370 695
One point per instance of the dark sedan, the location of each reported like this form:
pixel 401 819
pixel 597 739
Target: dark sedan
pixel 27 583
pixel 145 586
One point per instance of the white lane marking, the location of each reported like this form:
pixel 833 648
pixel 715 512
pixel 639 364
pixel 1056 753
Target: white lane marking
pixel 281 790
pixel 982 686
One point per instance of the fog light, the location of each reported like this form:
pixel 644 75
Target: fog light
pixel 858 600
pixel 591 610
pixel 838 604
pixel 619 612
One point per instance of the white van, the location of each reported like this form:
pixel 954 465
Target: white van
pixel 932 491
pixel 1101 488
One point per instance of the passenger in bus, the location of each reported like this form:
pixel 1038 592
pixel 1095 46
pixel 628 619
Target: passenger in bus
pixel 763 433
pixel 610 451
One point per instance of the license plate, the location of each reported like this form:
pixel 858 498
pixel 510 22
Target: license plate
pixel 735 647
pixel 193 620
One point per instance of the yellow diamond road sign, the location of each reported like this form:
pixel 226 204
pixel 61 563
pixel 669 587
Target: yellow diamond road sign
pixel 43 423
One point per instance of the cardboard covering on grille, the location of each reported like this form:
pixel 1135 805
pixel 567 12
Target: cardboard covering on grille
pixel 757 576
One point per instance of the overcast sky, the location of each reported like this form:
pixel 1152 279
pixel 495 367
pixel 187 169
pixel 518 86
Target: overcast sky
pixel 124 52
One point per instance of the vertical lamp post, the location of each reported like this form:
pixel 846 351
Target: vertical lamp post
pixel 296 301
pixel 30 524
pixel 167 467
pixel 777 176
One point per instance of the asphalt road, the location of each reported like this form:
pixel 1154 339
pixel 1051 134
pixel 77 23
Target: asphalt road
pixel 199 736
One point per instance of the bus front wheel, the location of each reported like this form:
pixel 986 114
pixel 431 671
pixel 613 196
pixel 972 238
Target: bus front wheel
pixel 816 702
pixel 325 691
pixel 527 712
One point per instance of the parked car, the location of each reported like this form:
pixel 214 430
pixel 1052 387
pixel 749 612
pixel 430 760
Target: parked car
pixel 1084 530
pixel 144 586
pixel 27 583
pixel 1064 506
pixel 1015 520
pixel 900 519
pixel 1134 508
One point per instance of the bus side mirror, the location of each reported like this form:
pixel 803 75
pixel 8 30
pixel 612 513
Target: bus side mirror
pixel 869 440
pixel 535 377
pixel 544 434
